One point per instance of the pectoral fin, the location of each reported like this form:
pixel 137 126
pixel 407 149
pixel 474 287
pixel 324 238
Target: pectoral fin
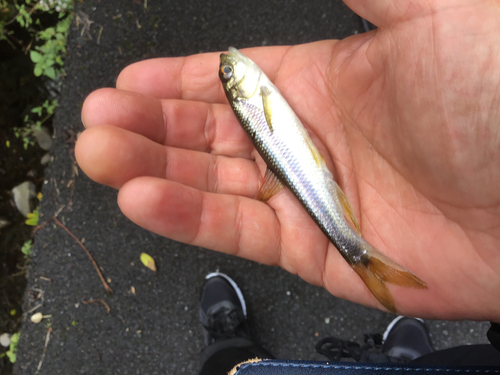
pixel 270 187
pixel 315 153
pixel 266 103
pixel 348 211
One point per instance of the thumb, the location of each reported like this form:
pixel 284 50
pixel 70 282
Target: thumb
pixel 385 12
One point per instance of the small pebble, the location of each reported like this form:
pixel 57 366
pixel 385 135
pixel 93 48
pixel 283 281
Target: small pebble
pixel 43 138
pixel 22 195
pixel 5 339
pixel 4 223
pixel 45 159
pixel 37 317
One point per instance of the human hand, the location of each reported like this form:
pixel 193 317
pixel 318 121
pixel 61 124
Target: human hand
pixel 406 117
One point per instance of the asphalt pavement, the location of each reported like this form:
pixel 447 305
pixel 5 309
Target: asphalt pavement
pixel 152 324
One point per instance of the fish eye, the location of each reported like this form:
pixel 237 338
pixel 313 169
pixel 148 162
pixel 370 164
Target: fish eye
pixel 226 72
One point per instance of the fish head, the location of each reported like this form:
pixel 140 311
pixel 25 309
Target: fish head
pixel 239 75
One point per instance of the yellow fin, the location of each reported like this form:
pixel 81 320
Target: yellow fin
pixel 320 161
pixel 349 212
pixel 265 93
pixel 266 103
pixel 270 187
pixel 379 270
pixel 314 151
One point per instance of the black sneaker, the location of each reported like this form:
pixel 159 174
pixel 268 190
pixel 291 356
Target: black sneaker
pixel 406 339
pixel 223 312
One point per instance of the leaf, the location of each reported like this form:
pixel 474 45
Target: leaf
pixel 26 249
pixel 11 353
pixel 148 261
pixel 63 26
pixel 37 110
pixel 35 56
pixel 15 338
pixel 50 72
pixel 38 71
pixel 47 33
pixel 12 356
pixel 32 219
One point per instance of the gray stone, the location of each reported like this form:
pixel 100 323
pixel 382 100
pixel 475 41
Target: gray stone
pixel 43 138
pixel 45 159
pixel 4 223
pixel 22 195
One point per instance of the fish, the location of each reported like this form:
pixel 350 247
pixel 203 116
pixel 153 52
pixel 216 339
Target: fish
pixel 293 161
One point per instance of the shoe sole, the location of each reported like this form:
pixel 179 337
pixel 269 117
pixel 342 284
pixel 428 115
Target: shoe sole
pixel 235 287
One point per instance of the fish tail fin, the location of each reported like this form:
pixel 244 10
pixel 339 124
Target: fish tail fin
pixel 376 270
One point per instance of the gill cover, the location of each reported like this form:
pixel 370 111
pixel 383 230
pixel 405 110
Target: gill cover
pixel 239 75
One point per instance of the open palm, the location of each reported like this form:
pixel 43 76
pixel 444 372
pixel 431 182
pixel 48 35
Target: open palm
pixel 406 118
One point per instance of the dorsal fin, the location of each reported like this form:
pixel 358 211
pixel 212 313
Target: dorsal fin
pixel 270 187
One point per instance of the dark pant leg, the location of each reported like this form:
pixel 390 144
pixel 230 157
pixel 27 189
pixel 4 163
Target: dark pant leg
pixel 221 357
pixel 467 355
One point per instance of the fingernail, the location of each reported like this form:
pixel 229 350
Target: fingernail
pixel 81 118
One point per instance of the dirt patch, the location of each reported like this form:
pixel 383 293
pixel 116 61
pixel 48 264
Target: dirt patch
pixel 21 90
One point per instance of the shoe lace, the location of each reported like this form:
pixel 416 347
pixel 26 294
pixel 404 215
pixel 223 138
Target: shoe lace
pixel 335 349
pixel 224 322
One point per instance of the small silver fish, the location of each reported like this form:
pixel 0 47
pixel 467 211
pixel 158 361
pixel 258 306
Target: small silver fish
pixel 294 161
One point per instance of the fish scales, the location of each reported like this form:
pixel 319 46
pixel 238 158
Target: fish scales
pixel 299 175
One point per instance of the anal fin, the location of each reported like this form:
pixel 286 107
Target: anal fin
pixel 270 187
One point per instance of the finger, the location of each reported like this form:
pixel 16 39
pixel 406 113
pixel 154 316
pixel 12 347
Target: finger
pixel 226 223
pixel 177 123
pixel 113 156
pixel 205 127
pixel 126 109
pixel 193 77
pixel 385 12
